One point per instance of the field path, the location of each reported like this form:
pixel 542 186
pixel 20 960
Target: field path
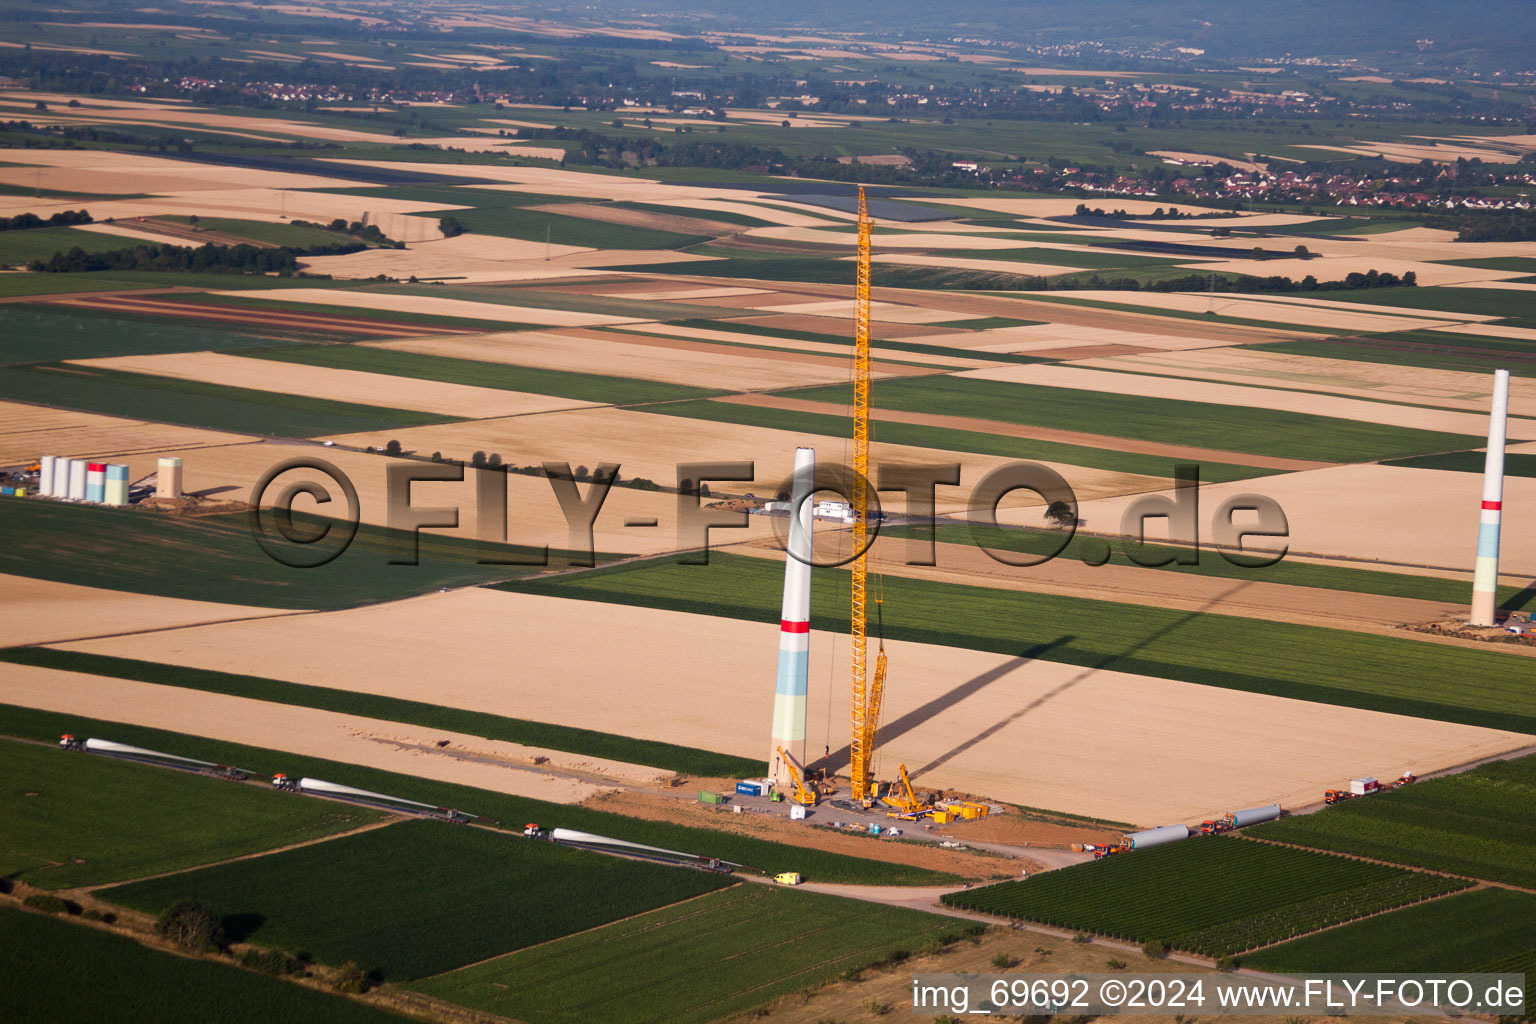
pixel 1000 428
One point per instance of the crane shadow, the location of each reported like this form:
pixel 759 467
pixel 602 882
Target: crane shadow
pixel 1104 663
pixel 839 758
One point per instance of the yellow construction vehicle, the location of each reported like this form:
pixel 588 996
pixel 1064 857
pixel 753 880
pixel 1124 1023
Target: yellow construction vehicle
pixel 803 796
pixel 906 803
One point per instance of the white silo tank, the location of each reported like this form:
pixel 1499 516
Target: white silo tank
pixel 76 480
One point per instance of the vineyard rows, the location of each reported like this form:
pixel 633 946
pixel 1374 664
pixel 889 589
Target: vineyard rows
pixel 1209 896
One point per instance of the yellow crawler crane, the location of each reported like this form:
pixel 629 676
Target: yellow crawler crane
pixel 905 800
pixel 803 796
pixel 866 692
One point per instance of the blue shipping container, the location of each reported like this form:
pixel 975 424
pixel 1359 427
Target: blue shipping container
pixel 750 788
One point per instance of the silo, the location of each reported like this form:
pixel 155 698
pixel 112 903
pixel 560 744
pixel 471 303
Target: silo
pixel 168 479
pixel 117 484
pixel 96 481
pixel 1156 836
pixel 45 474
pixel 76 480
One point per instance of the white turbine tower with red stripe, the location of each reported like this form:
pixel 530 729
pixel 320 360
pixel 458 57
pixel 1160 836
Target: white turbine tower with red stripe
pixel 1485 577
pixel 790 687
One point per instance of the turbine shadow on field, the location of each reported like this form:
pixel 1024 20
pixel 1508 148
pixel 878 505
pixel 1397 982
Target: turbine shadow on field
pixel 1520 601
pixel 1102 664
pixel 839 758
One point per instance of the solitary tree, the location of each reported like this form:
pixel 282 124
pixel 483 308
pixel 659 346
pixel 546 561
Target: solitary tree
pixel 494 459
pixel 450 226
pixel 192 925
pixel 1258 252
pixel 1302 253
pixel 392 448
pixel 192 220
pixel 1060 513
pixel 477 459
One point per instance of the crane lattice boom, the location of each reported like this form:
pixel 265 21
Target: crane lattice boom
pixel 866 693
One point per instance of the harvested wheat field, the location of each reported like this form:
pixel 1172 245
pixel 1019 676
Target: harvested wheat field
pixel 1181 389
pixel 880 312
pixel 697 364
pixel 34 611
pixel 1043 726
pixel 27 431
pixel 466 258
pixel 1416 517
pixel 1057 337
pixel 826 348
pixel 427 264
pixel 434 306
pixel 1404 384
pixel 388 746
pixel 951 239
pixel 91 170
pixel 678 222
pixel 338 385
pixel 1296 312
pixel 257 317
pixel 652 445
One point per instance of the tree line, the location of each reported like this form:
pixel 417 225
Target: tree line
pixel 62 219
pixel 213 259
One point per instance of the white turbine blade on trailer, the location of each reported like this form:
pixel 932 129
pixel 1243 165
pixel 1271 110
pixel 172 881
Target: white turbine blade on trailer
pixel 567 835
pixel 109 747
pixel 337 789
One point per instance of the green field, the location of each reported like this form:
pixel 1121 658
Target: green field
pixel 21 247
pixel 296 236
pixel 756 855
pixel 198 404
pixel 683 760
pixel 1480 823
pixel 420 897
pixel 39 333
pixel 82 819
pixel 57 971
pixel 560 229
pixel 1526 264
pixel 1169 421
pixel 1502 302
pixel 1210 896
pixel 1515 464
pixel 1484 931
pixel 694 963
pixel 1380 673
pixel 215 558
pixel 1212 563
pixel 1101 259
pixel 818 425
pixel 585 387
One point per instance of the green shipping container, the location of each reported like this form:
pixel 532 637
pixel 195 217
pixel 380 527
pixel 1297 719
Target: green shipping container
pixel 711 798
